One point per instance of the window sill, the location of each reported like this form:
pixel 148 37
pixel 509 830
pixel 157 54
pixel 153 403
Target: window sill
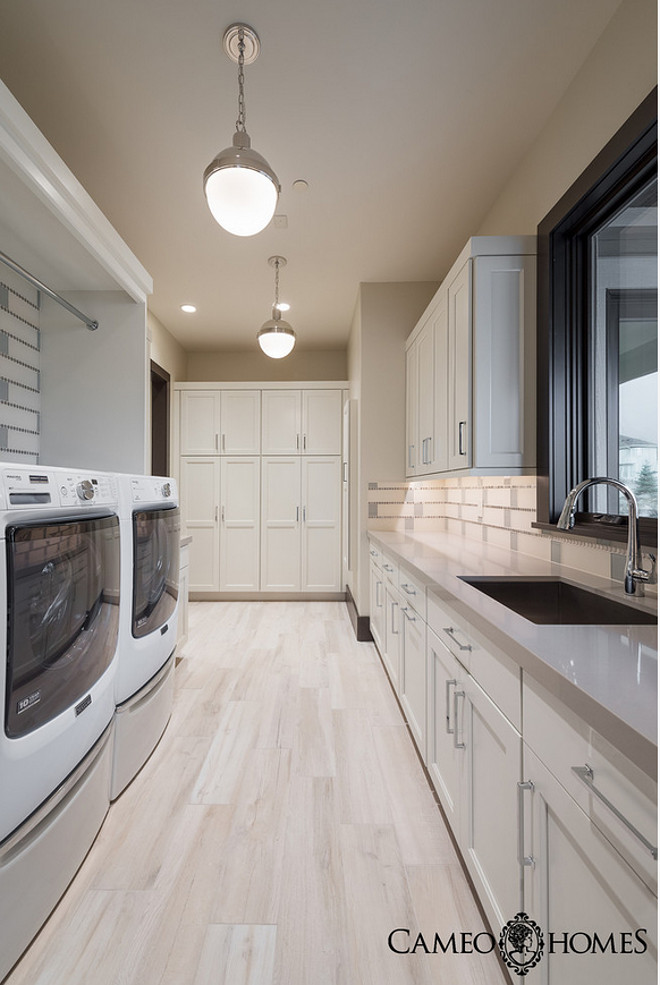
pixel 606 533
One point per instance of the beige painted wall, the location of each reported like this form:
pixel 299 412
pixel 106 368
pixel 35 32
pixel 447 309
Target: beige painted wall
pixel 620 71
pixel 253 365
pixel 165 350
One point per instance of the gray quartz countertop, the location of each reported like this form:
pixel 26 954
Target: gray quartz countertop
pixel 608 675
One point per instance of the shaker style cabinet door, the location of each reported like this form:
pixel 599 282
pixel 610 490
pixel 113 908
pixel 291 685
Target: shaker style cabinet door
pixel 321 422
pixel 200 495
pixel 200 422
pixel 321 524
pixel 280 524
pixel 240 422
pixel 281 422
pixel 240 497
pixel 459 378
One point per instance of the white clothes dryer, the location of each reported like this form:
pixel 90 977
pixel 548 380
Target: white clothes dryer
pixel 150 537
pixel 59 592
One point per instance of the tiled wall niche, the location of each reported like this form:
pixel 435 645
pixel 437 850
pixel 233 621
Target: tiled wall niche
pixel 497 511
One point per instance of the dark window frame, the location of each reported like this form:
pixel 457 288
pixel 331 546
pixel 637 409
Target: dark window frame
pixel 624 165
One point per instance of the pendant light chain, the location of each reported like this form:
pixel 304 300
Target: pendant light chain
pixel 277 284
pixel 240 122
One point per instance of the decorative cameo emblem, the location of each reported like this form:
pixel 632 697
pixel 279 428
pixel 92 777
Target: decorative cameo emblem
pixel 521 944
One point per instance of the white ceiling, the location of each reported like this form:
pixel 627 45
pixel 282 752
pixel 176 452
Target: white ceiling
pixel 404 116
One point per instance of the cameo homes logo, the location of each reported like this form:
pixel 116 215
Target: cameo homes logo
pixel 521 943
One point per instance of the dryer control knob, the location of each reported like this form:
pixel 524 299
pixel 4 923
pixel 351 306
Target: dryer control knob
pixel 167 489
pixel 85 490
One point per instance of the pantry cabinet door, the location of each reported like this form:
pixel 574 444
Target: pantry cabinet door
pixel 199 496
pixel 280 524
pixel 579 885
pixel 240 420
pixel 240 544
pixel 281 422
pixel 321 524
pixel 200 422
pixel 321 422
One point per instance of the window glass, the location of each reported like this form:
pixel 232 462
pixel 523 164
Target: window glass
pixel 623 365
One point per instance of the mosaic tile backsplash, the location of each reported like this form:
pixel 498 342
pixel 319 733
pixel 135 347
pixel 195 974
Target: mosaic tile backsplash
pixel 497 511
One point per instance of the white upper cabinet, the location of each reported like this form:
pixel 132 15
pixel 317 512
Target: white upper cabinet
pixel 200 422
pixel 240 422
pixel 471 365
pixel 301 422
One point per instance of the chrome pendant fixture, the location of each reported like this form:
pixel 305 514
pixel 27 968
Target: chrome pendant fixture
pixel 276 337
pixel 241 187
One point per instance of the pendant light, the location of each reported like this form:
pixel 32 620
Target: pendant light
pixel 276 337
pixel 241 187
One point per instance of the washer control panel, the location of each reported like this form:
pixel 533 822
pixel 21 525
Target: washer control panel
pixel 152 489
pixel 84 489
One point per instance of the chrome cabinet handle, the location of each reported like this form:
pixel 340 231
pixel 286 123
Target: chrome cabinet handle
pixel 448 686
pixel 223 441
pixel 379 585
pixel 297 514
pixel 345 468
pixel 304 514
pixel 304 442
pixel 405 612
pixel 297 442
pixel 451 632
pixel 222 514
pixel 388 567
pixel 411 464
pixel 395 632
pixel 586 774
pixel 408 590
pixel 216 514
pixel 373 553
pixel 523 860
pixel 457 695
pixel 217 442
pixel 461 437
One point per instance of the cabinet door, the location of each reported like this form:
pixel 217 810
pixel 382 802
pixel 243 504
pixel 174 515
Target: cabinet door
pixel 281 422
pixel 580 885
pixel 459 369
pixel 240 545
pixel 377 605
pixel 321 524
pixel 425 401
pixel 439 457
pixel 412 360
pixel 489 803
pixel 200 422
pixel 321 422
pixel 200 494
pixel 446 754
pixel 280 524
pixel 392 633
pixel 240 420
pixel 412 663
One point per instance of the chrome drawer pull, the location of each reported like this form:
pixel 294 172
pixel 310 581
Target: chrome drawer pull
pixel 405 612
pixel 451 632
pixel 374 553
pixel 408 590
pixel 395 631
pixel 586 774
pixel 523 860
pixel 388 567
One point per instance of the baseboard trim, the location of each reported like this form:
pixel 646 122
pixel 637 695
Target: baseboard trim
pixel 359 623
pixel 267 596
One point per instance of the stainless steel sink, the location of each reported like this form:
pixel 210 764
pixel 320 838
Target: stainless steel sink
pixel 556 602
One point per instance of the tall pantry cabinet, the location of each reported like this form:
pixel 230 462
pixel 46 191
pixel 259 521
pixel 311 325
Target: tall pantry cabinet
pixel 260 487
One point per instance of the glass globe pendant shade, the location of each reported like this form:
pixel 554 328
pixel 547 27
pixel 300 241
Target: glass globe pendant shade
pixel 241 188
pixel 276 338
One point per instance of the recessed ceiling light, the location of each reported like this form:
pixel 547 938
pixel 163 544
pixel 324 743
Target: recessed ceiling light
pixel 190 309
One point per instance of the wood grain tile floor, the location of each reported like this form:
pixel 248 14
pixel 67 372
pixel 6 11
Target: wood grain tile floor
pixel 282 829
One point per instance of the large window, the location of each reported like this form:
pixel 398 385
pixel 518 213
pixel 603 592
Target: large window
pixel 598 336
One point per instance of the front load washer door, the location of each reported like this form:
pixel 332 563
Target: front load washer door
pixel 156 536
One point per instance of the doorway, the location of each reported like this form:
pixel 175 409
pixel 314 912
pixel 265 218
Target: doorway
pixel 160 420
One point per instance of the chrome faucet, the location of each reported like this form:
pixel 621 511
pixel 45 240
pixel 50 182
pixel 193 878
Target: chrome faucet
pixel 635 574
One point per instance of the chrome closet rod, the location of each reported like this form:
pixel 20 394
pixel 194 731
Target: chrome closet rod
pixel 22 272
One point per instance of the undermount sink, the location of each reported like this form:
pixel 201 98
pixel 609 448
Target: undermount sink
pixel 555 602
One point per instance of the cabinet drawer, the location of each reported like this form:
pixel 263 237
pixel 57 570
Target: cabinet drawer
pixel 375 554
pixel 413 590
pixel 568 746
pixel 496 672
pixel 390 569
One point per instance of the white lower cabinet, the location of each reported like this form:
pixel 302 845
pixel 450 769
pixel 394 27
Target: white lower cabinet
pixel 445 748
pixel 301 524
pixel 377 604
pixel 220 502
pixel 392 632
pixel 412 680
pixel 597 916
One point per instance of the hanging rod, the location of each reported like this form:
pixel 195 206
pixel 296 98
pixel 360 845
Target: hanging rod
pixel 91 325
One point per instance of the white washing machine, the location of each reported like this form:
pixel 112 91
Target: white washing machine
pixel 59 592
pixel 144 689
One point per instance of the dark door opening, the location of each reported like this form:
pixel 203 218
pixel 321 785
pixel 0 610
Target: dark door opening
pixel 160 420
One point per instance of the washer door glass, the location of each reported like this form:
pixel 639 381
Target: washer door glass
pixel 156 535
pixel 63 615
